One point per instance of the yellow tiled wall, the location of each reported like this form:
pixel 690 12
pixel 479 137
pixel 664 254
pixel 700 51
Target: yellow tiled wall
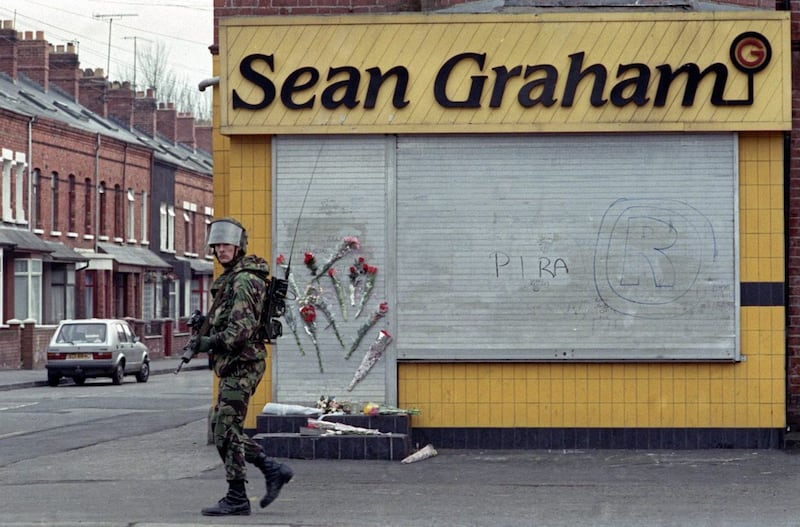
pixel 749 394
pixel 243 189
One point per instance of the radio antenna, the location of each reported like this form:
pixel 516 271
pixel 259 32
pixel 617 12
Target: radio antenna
pixel 300 215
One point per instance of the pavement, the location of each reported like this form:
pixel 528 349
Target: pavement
pixel 17 379
pixel 456 488
pixel 164 480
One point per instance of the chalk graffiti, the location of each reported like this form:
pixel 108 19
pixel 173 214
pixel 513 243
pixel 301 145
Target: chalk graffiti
pixel 649 254
pixel 514 266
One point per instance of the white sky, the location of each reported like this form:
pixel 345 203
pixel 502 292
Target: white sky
pixel 184 29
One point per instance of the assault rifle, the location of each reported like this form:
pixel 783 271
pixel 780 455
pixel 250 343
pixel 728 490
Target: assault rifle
pixel 196 323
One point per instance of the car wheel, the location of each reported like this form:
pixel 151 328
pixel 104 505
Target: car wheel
pixel 53 379
pixel 118 375
pixel 80 380
pixel 144 373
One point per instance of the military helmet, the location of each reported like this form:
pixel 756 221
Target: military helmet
pixel 227 230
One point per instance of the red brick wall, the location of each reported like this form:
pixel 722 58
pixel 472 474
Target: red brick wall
pixel 10 356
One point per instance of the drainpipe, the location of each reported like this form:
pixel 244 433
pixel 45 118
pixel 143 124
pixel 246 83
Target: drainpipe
pixel 205 83
pixel 30 171
pixel 96 192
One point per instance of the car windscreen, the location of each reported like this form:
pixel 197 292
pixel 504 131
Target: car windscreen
pixel 81 333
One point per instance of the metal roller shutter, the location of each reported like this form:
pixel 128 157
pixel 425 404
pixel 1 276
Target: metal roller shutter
pixel 582 247
pixel 559 247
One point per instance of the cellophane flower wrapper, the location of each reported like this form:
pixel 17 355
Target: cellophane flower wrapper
pixel 382 409
pixel 424 453
pixel 371 357
pixel 350 243
pixel 371 272
pixel 337 286
pixel 292 323
pixel 356 277
pixel 322 305
pixel 379 313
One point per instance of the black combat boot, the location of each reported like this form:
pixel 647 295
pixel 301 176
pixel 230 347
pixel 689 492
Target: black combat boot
pixel 276 474
pixel 235 502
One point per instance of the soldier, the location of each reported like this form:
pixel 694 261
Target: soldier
pixel 237 342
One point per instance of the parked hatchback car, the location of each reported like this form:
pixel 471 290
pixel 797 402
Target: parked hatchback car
pixel 86 348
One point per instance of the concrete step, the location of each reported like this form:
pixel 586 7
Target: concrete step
pixel 273 424
pixel 390 446
pixel 287 436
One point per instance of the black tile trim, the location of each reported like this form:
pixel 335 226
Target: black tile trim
pixel 762 293
pixel 599 438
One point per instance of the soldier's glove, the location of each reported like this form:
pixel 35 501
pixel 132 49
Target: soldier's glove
pixel 204 346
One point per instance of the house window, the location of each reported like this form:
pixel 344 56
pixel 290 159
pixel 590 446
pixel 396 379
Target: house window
pixel 36 211
pixel 131 215
pixel 7 159
pixel 28 289
pixel 119 212
pixel 151 296
pixel 198 297
pixel 170 303
pixel 167 227
pixel 71 210
pixel 88 206
pixel 102 226
pixel 62 293
pixel 88 293
pixel 145 217
pixel 188 231
pixel 54 202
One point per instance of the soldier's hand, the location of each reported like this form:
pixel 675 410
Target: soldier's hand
pixel 204 345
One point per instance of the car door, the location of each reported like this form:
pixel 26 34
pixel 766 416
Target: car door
pixel 135 350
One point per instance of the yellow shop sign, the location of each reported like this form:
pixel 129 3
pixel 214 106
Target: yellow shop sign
pixel 510 73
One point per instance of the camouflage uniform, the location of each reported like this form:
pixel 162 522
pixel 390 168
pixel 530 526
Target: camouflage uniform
pixel 239 359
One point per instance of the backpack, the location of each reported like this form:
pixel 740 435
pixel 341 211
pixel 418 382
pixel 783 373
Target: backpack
pixel 274 305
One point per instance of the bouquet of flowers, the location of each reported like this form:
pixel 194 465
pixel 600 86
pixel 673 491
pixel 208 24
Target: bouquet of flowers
pixel 371 357
pixel 329 405
pixel 350 243
pixel 424 453
pixel 314 297
pixel 379 313
pixel 309 315
pixel 337 286
pixel 370 271
pixel 311 262
pixel 382 409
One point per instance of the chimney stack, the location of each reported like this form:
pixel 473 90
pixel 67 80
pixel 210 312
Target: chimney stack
pixel 33 54
pixel 64 71
pixel 186 130
pixel 144 113
pixel 167 121
pixel 8 49
pixel 204 135
pixel 121 102
pixel 92 89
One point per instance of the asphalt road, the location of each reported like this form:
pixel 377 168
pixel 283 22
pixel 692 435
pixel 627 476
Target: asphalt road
pixel 136 455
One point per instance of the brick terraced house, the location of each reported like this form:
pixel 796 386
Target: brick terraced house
pixel 105 194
